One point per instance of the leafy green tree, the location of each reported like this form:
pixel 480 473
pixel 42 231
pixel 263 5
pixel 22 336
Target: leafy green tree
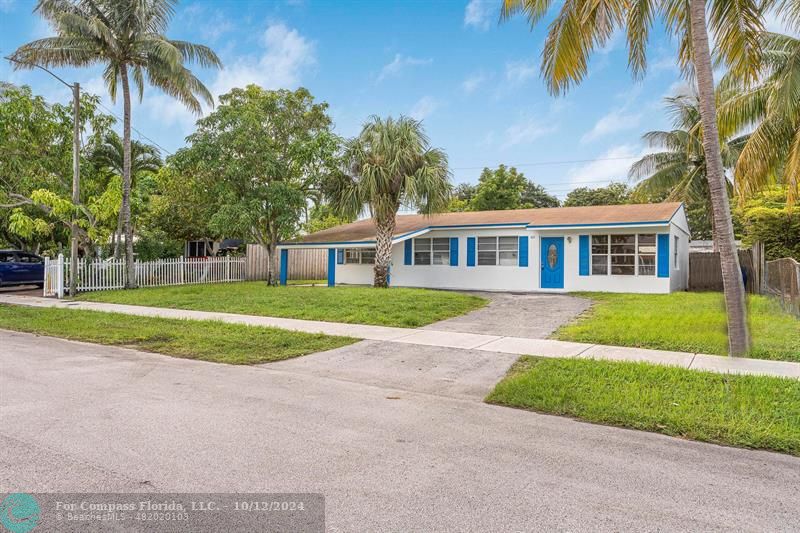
pixel 771 155
pixel 391 163
pixel 36 172
pixel 263 155
pixel 581 26
pixel 461 197
pixel 323 216
pixel 501 188
pixel 534 195
pixel 769 218
pixel 110 154
pixel 678 173
pixel 127 36
pixel 612 194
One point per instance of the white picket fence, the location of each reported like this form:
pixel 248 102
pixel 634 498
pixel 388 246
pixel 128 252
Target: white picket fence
pixel 104 274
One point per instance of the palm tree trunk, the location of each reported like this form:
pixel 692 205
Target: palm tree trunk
pixel 130 268
pixel 384 230
pixel 118 236
pixel 738 337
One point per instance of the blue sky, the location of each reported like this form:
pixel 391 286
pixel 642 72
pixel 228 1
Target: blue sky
pixel 474 82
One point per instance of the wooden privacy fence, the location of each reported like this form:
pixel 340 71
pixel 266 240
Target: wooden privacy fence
pixel 705 271
pixel 783 281
pixel 99 274
pixel 305 263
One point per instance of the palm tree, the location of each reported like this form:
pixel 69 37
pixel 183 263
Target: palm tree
pixel 582 25
pixel 127 36
pixel 111 155
pixel 390 164
pixel 678 173
pixel 771 105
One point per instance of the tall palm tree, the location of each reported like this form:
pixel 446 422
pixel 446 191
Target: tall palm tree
pixel 110 153
pixel 581 26
pixel 127 36
pixel 678 173
pixel 390 164
pixel 772 107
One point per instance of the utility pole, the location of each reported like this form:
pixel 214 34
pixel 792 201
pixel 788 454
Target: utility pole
pixel 76 172
pixel 76 186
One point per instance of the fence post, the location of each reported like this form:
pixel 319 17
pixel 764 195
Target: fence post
pixel 60 277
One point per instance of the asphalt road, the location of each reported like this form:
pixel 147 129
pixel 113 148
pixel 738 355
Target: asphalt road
pixel 79 417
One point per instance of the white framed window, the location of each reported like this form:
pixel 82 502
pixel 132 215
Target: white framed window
pixel 432 251
pixel 646 250
pixel 599 255
pixel 441 251
pixel 503 251
pixel 624 255
pixel 359 256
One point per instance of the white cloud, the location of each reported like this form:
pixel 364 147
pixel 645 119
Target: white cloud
pixel 473 81
pixel 284 57
pixel 399 64
pixel 525 132
pixel 478 14
pixel 423 108
pixel 286 54
pixel 616 120
pixel 519 72
pixel 613 165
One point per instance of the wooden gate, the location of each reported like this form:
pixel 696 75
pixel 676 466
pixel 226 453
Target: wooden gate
pixel 705 271
pixel 304 263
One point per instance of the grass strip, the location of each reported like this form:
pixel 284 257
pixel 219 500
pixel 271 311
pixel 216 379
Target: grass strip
pixel 737 410
pixel 191 339
pixel 399 307
pixel 685 322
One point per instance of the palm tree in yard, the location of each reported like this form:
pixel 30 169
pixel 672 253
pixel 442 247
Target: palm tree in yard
pixel 772 154
pixel 388 165
pixel 581 26
pixel 678 172
pixel 127 37
pixel 111 155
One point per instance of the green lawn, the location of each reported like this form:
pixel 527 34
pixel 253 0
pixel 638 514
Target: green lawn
pixel 307 282
pixel 737 410
pixel 357 305
pixel 191 339
pixel 683 321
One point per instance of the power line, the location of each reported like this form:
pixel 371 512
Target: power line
pixel 545 163
pixel 139 133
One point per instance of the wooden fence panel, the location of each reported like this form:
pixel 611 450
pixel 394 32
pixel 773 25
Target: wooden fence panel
pixel 705 271
pixel 783 281
pixel 307 263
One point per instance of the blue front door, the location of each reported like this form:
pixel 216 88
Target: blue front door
pixel 552 263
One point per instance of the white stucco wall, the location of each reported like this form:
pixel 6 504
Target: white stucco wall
pixel 516 278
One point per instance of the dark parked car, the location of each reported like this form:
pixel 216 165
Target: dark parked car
pixel 21 268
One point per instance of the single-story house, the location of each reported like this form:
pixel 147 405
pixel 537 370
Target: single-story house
pixel 616 248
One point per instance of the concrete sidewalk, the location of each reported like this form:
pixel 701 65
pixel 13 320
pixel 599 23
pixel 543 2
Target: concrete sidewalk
pixel 446 339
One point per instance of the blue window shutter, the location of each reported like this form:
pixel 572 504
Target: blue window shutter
pixel 284 275
pixel 583 255
pixel 407 257
pixel 523 251
pixel 470 251
pixel 663 255
pixel 453 251
pixel 332 255
pixel 339 256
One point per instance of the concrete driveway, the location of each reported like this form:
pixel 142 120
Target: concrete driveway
pixel 79 417
pixel 534 316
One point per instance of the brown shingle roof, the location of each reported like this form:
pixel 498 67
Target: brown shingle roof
pixel 364 230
